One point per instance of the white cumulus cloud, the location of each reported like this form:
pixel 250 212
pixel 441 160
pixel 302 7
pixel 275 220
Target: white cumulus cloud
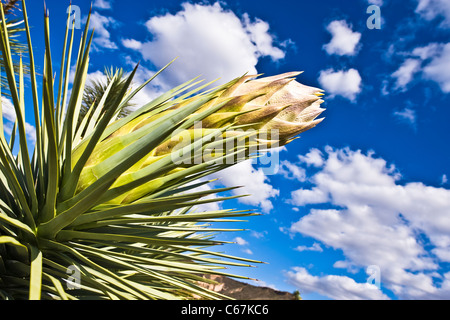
pixel 334 287
pixel 131 44
pixel 254 183
pixel 377 221
pixel 291 171
pixel 344 40
pixel 438 69
pixel 341 83
pixel 10 114
pixel 208 40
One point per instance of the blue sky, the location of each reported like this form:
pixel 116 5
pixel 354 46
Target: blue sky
pixel 369 186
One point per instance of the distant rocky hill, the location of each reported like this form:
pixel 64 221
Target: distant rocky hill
pixel 245 291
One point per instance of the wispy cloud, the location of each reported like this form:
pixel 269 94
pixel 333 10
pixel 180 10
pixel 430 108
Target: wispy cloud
pixel 376 2
pixel 315 247
pixel 433 9
pixel 132 44
pixel 102 4
pixel 242 242
pixel 430 62
pixel 258 235
pixel 102 36
pixel 313 158
pixel 405 73
pixel 407 115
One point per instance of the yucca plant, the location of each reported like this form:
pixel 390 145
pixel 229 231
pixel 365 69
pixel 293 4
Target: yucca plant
pixel 94 91
pixel 112 200
pixel 14 25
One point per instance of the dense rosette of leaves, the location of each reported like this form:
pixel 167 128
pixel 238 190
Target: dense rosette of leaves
pixel 104 207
